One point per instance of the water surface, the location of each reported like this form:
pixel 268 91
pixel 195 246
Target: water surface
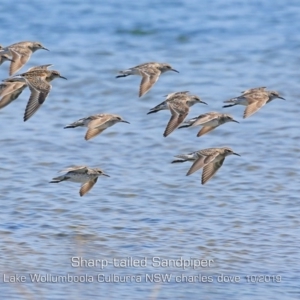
pixel 246 219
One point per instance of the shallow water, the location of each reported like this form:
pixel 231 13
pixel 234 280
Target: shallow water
pixel 246 219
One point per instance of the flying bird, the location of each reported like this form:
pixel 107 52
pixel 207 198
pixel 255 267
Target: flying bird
pixel 19 54
pixel 82 174
pixel 210 160
pixel 209 121
pixel 38 83
pixel 150 73
pixel 179 104
pixel 254 99
pixel 96 123
pixel 11 88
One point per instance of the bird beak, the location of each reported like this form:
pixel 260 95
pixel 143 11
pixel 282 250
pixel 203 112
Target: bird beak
pixel 62 77
pixel 235 153
pixel 175 70
pixel 45 48
pixel 203 102
pixel 105 175
pixel 235 121
pixel 281 98
pixel 125 121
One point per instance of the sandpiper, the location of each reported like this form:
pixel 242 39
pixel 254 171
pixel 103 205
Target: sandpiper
pixel 97 123
pixel 209 121
pixel 210 160
pixel 149 71
pixel 178 103
pixel 20 53
pixel 11 88
pixel 254 99
pixel 38 83
pixel 82 174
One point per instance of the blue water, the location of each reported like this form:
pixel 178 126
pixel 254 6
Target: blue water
pixel 246 219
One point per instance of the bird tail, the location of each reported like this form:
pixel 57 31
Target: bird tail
pixel 233 102
pixel 182 158
pixel 178 161
pixel 157 108
pixel 188 123
pixel 184 126
pixel 58 179
pixel 75 124
pixel 152 110
pixel 5 57
pixel 125 73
